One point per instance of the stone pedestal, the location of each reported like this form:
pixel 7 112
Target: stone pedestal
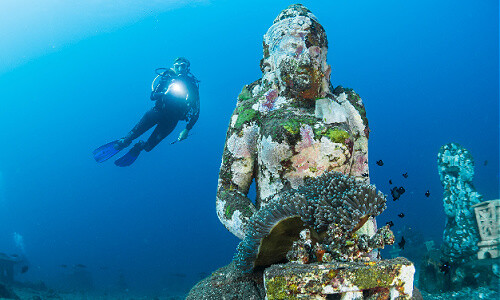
pixel 385 279
pixel 7 268
pixel 488 222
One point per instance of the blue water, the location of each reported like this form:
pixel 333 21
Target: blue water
pixel 75 77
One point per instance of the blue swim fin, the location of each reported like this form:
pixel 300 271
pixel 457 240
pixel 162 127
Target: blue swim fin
pixel 130 157
pixel 105 152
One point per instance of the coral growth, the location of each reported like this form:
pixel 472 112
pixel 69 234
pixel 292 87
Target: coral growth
pixel 332 206
pixel 338 245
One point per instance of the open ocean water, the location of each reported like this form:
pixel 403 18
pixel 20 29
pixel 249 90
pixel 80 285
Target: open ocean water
pixel 75 75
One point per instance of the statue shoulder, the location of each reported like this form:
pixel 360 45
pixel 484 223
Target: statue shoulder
pixel 246 110
pixel 249 91
pixel 354 99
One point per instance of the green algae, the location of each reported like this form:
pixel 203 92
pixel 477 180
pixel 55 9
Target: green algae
pixel 235 201
pixel 366 278
pixel 336 135
pixel 225 195
pixel 292 126
pixel 275 290
pixel 246 116
pixel 332 273
pixel 245 94
pixel 244 109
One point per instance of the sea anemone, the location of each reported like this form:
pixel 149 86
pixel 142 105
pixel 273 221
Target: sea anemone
pixel 332 198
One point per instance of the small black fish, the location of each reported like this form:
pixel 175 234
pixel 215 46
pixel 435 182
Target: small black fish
pixel 427 194
pixel 401 215
pixel 63 266
pixel 390 223
pixel 380 162
pixel 80 266
pixel 485 162
pixel 405 175
pixel 14 255
pixel 396 192
pixel 445 267
pixel 402 243
pixel 365 175
pixel 24 269
pixel 390 181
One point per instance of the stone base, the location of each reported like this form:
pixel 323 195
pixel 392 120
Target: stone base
pixel 385 279
pixel 488 249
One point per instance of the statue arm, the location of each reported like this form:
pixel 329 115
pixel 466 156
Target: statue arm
pixel 359 167
pixel 358 123
pixel 236 174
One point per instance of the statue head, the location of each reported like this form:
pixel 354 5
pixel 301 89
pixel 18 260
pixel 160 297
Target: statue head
pixel 455 163
pixel 295 49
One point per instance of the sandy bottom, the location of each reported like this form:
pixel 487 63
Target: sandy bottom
pixel 464 294
pixel 36 294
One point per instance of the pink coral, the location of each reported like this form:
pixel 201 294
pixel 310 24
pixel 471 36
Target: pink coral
pixel 270 99
pixel 307 136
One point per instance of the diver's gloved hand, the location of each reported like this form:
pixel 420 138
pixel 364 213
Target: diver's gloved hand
pixel 159 89
pixel 183 135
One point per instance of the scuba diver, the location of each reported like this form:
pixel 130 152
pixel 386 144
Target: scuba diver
pixel 176 98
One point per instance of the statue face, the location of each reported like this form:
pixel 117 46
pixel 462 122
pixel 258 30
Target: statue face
pixel 296 57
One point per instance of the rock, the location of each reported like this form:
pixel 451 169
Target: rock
pixel 6 292
pixel 465 294
pixel 416 294
pixel 385 279
pixel 483 272
pixel 434 278
pixel 230 284
pixel 431 278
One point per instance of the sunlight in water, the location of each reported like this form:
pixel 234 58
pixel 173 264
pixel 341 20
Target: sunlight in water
pixel 52 24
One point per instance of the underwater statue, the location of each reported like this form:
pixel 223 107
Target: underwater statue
pixel 455 265
pixel 291 124
pixel 456 171
pixel 305 146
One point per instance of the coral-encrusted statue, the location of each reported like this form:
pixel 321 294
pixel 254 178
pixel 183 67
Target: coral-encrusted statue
pixel 456 171
pixel 290 124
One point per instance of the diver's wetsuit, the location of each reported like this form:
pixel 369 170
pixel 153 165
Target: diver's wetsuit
pixel 167 112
